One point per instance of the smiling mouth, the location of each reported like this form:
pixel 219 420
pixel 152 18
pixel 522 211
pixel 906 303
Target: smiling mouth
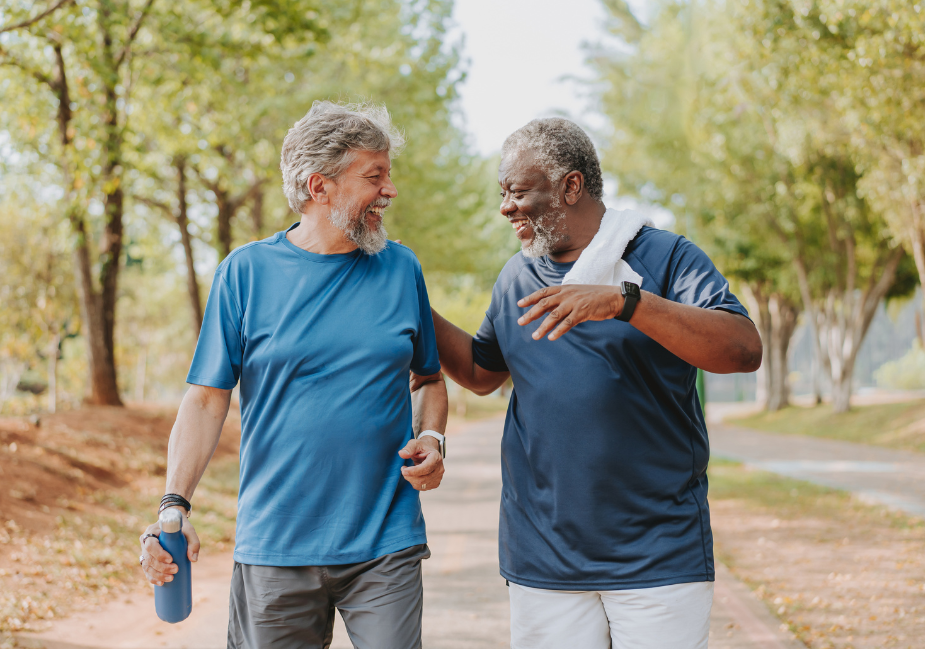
pixel 519 225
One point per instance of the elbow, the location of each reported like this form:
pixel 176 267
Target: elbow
pixel 751 354
pixel 481 391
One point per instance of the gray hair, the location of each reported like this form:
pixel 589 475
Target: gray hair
pixel 326 140
pixel 560 147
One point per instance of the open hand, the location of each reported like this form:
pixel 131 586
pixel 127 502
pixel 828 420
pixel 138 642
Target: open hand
pixel 569 305
pixel 427 472
pixel 156 562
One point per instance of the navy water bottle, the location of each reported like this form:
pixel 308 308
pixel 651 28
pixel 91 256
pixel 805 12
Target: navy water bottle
pixel 174 600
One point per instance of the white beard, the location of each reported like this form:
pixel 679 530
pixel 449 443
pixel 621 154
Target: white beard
pixel 546 234
pixel 357 230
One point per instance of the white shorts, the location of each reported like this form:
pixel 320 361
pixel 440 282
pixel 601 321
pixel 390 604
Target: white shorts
pixel 664 617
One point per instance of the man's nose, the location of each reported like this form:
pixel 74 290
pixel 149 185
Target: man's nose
pixel 507 206
pixel 389 190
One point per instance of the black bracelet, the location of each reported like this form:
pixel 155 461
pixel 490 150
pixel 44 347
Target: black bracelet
pixel 172 500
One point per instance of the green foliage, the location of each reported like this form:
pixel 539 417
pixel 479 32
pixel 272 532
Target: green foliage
pixel 906 373
pixel 36 289
pixel 213 86
pixel 742 118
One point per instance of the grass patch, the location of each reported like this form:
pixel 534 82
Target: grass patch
pixel 788 498
pixel 898 426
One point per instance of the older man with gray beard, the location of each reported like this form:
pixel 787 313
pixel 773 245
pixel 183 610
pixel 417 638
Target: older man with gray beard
pixel 605 529
pixel 320 324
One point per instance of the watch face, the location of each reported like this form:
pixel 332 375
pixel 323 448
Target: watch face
pixel 630 289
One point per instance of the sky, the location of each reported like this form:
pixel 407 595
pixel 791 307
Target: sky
pixel 519 52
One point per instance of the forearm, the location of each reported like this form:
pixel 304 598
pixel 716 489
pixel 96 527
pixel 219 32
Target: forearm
pixel 713 340
pixel 455 347
pixel 430 406
pixel 194 437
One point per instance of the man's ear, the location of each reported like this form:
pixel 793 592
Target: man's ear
pixel 316 187
pixel 574 187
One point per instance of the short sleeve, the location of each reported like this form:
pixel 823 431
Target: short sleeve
pixel 693 279
pixel 426 360
pixel 486 352
pixel 219 351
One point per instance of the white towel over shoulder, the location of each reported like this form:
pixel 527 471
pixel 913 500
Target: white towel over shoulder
pixel 602 261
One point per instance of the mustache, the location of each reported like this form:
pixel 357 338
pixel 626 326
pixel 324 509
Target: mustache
pixel 380 202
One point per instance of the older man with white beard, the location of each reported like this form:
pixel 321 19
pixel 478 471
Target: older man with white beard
pixel 321 324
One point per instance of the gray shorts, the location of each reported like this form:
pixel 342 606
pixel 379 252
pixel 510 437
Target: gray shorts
pixel 381 602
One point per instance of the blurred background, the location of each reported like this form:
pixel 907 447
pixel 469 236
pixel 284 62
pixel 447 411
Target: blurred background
pixel 139 144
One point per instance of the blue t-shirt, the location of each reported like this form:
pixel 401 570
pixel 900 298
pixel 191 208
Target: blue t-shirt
pixel 322 345
pixel 605 449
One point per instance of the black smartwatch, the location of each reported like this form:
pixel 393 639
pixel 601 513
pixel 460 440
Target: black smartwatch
pixel 631 296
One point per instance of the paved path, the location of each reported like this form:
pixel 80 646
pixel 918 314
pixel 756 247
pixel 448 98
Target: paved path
pixel 466 601
pixel 880 475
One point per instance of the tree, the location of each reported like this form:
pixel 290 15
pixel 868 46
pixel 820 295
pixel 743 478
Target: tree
pixel 36 290
pixel 726 110
pixel 687 134
pixel 74 64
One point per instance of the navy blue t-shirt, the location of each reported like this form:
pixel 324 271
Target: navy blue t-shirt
pixel 605 448
pixel 322 345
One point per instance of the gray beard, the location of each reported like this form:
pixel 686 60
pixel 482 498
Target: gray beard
pixel 546 236
pixel 370 241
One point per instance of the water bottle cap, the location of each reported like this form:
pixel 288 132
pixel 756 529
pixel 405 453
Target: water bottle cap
pixel 171 520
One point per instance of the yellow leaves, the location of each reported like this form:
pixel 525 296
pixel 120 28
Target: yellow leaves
pixel 110 186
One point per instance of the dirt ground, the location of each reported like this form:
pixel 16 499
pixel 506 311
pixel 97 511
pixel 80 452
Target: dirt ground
pixel 838 572
pixel 76 488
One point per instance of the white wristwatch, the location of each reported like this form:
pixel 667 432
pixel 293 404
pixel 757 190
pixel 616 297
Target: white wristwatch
pixel 437 436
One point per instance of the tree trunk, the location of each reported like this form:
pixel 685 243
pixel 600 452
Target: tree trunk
pixel 97 308
pixel 783 316
pixel 257 212
pixel 841 393
pixel 841 321
pixel 226 210
pixel 101 307
pixel 53 345
pixel 103 387
pixel 192 283
pixel 918 254
pixel 775 318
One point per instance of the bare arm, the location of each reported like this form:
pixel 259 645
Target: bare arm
pixel 192 443
pixel 430 409
pixel 455 347
pixel 713 340
pixel 429 404
pixel 194 437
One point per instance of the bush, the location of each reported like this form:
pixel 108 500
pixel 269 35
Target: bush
pixel 906 373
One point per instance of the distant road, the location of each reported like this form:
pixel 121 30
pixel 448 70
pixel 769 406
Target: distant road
pixel 879 475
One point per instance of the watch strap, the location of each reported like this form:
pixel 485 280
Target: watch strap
pixel 630 299
pixel 437 436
